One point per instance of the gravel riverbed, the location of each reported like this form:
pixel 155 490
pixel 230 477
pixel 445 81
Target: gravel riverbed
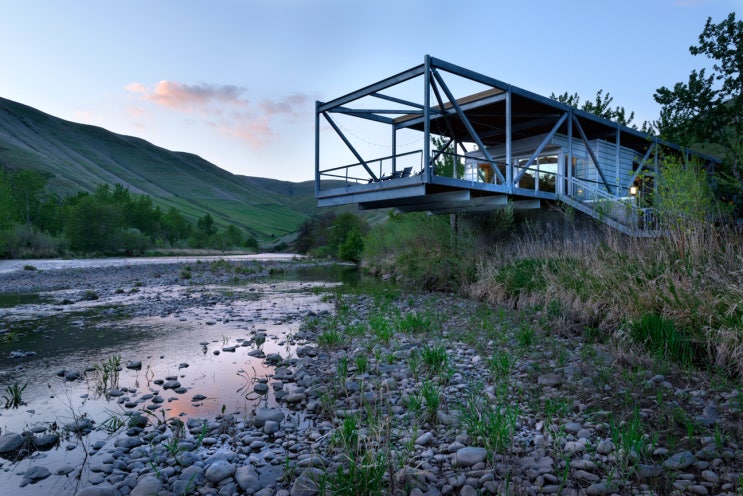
pixel 393 392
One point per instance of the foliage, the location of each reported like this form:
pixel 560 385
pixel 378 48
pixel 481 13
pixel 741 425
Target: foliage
pixel 444 165
pixel 333 235
pixel 600 106
pixel 422 250
pixel 662 339
pixel 14 395
pixel 352 247
pixel 708 108
pixel 684 196
pixel 110 221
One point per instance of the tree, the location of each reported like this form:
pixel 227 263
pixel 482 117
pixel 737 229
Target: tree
pixel 352 247
pixel 600 106
pixel 444 165
pixel 93 224
pixel 27 186
pixel 175 226
pixel 8 212
pixel 206 225
pixel 232 236
pixel 709 108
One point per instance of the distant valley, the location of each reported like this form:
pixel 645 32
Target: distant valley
pixel 79 157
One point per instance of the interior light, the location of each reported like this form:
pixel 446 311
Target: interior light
pixel 633 190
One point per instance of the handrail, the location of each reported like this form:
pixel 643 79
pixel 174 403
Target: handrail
pixel 380 159
pixel 638 217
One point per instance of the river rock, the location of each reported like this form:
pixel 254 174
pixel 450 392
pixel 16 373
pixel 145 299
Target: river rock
pixel 146 486
pixel 10 442
pixel 306 483
pixel 79 425
pixel 468 456
pixel 263 414
pixel 45 442
pixel 172 384
pixel 128 442
pixel 218 471
pixel 71 375
pixel 680 461
pixel 247 478
pixel 34 475
pixel 134 365
pixel 97 491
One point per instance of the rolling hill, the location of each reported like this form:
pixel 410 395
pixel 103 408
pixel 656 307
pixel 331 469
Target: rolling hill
pixel 79 157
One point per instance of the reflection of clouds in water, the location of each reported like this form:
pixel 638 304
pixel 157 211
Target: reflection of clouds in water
pixel 162 343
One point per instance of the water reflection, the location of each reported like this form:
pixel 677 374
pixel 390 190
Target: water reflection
pixel 221 333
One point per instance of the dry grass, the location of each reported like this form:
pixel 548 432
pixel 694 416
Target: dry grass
pixel 691 277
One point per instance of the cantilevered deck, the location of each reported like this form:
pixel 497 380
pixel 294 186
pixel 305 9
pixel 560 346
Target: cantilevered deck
pixel 495 146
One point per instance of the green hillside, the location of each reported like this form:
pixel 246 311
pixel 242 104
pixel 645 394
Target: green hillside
pixel 80 157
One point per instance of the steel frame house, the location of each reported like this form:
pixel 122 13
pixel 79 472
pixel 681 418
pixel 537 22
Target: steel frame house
pixel 518 149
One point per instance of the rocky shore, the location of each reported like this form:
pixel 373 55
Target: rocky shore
pixel 418 394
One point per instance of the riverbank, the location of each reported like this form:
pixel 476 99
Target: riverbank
pixel 408 393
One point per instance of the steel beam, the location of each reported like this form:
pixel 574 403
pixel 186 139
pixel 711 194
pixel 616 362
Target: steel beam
pixel 541 146
pixel 417 190
pixel 350 146
pixel 590 152
pixel 466 122
pixel 374 88
pixel 393 99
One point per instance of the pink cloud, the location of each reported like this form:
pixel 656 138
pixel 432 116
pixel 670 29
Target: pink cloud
pixel 179 96
pixel 224 107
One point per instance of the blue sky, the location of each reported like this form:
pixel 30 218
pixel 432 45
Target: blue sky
pixel 236 81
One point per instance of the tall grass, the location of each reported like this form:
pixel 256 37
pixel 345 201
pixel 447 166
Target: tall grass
pixel 689 279
pixel 421 251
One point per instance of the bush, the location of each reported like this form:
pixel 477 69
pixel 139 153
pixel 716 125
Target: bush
pixel 24 241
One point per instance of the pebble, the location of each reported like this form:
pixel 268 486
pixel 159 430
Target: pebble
pixel 468 456
pixel 284 449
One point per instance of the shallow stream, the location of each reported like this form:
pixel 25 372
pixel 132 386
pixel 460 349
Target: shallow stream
pixel 218 341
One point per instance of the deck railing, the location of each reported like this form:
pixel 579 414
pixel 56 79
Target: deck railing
pixel 382 167
pixel 620 208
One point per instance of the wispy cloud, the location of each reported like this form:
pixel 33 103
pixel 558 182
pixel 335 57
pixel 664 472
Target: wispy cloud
pixel 227 108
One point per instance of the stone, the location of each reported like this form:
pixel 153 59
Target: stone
pixel 10 442
pixel 599 489
pixel 680 461
pixel 219 471
pixel 247 478
pixel 35 474
pixel 171 384
pixel 64 470
pixel 605 447
pixel 198 397
pixel 147 486
pixel 306 484
pixel 549 380
pixel 128 442
pixel 468 490
pixel 134 365
pixel 424 439
pixel 698 489
pixel 585 476
pixel 263 414
pixel 710 476
pixel 97 491
pixel 71 375
pixel 468 456
pixel 648 471
pixel 270 427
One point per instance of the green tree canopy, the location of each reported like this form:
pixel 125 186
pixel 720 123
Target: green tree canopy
pixel 600 106
pixel 708 108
